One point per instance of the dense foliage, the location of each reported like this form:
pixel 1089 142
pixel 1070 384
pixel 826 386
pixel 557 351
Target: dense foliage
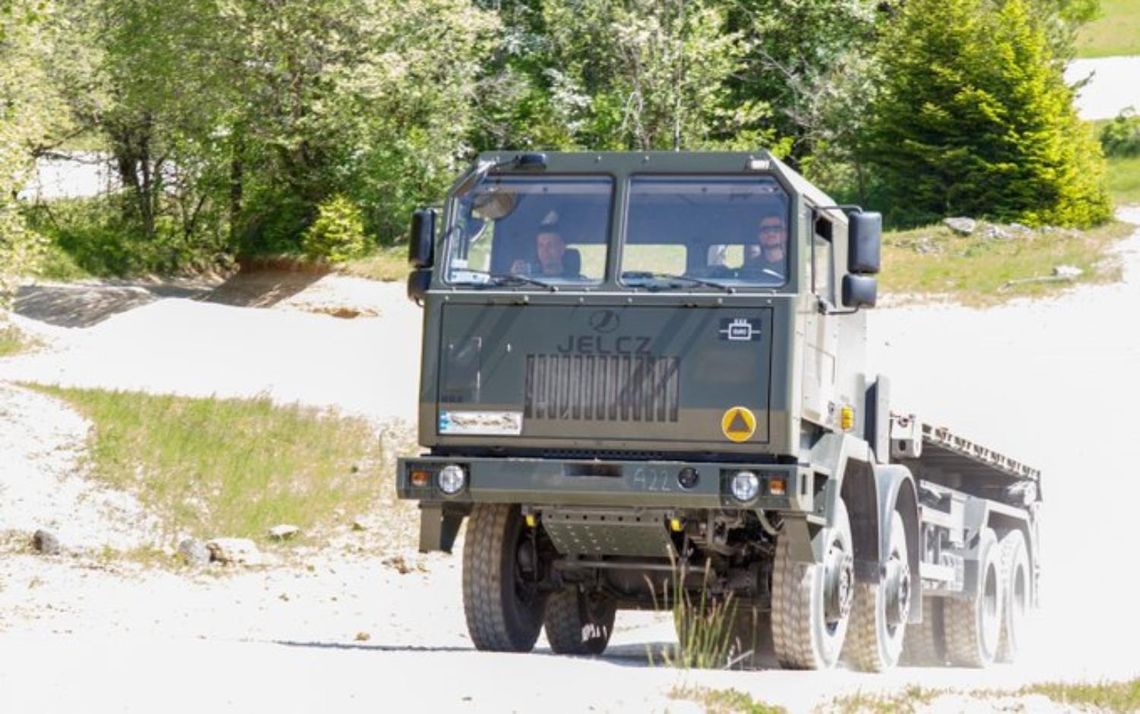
pixel 1121 136
pixel 974 118
pixel 231 123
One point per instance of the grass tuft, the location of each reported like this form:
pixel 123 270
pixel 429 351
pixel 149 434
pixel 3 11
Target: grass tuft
pixel 12 340
pixel 1105 696
pixel 983 271
pixel 385 263
pixel 232 467
pixel 705 633
pixel 724 701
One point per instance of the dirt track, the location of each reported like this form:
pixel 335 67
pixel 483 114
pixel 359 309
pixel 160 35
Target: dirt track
pixel 1054 382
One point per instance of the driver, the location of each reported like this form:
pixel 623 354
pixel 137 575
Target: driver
pixel 768 256
pixel 550 249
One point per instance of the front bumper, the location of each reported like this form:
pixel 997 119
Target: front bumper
pixel 638 484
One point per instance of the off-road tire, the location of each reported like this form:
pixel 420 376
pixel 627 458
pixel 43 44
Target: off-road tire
pixel 800 634
pixel 579 623
pixel 973 625
pixel 1015 573
pixel 925 643
pixel 500 617
pixel 872 644
pixel 752 638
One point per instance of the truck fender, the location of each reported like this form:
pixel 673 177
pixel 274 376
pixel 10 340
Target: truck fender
pixel 843 462
pixel 897 492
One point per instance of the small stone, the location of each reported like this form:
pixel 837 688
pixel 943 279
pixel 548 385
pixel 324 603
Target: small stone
pixel 995 233
pixel 358 524
pixel 283 531
pixel 399 563
pixel 1019 228
pixel 363 636
pixel 960 225
pixel 194 552
pixel 45 542
pixel 234 550
pixel 1067 271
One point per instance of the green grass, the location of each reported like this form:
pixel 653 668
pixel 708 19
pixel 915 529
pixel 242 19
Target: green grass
pixel 1124 180
pixel 979 271
pixel 385 263
pixel 1115 32
pixel 233 467
pixel 724 701
pixel 1103 696
pixel 12 340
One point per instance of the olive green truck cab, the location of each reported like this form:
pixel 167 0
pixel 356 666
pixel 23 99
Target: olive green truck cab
pixel 644 377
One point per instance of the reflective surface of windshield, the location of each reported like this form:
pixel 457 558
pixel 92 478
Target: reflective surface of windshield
pixel 728 230
pixel 531 231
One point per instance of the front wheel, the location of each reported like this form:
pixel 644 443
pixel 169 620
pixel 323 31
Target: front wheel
pixel 811 602
pixel 501 600
pixel 579 622
pixel 879 616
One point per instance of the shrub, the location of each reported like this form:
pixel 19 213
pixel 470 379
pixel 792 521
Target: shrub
pixel 92 236
pixel 338 233
pixel 1121 136
pixel 974 118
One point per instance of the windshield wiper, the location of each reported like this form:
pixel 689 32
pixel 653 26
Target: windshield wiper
pixel 497 279
pixel 647 275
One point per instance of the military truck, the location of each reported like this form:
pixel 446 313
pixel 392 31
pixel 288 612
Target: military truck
pixel 644 383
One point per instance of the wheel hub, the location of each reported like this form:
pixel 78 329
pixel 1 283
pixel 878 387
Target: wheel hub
pixel 897 584
pixel 839 576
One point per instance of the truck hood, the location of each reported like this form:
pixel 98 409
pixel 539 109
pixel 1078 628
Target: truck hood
pixel 622 377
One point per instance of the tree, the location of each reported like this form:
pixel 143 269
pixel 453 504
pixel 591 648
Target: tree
pixel 31 112
pixel 637 74
pixel 974 117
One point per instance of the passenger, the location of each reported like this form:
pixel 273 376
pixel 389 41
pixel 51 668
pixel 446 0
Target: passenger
pixel 768 256
pixel 550 250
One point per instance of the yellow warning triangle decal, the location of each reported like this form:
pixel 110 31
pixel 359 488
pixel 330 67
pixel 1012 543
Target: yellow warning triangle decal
pixel 738 423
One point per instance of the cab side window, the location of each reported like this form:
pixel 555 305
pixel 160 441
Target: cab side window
pixel 822 264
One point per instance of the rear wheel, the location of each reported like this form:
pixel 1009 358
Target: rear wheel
pixel 1015 572
pixel 501 600
pixel 579 622
pixel 973 625
pixel 925 643
pixel 879 615
pixel 811 602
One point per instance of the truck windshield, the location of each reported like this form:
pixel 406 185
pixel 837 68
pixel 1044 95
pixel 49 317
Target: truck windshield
pixel 531 231
pixel 728 230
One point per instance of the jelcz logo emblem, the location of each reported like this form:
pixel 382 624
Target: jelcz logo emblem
pixel 605 321
pixel 739 329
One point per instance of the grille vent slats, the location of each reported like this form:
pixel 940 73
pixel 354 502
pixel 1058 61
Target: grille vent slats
pixel 621 387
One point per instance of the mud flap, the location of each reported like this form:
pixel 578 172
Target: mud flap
pixel 439 525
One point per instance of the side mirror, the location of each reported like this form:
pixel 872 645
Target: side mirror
pixel 859 291
pixel 421 243
pixel 418 282
pixel 864 239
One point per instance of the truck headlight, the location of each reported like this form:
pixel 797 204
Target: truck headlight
pixel 745 486
pixel 451 479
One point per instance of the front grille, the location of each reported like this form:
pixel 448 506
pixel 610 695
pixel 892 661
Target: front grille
pixel 625 387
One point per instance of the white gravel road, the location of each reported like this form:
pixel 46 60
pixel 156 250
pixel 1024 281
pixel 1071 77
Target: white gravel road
pixel 1054 382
